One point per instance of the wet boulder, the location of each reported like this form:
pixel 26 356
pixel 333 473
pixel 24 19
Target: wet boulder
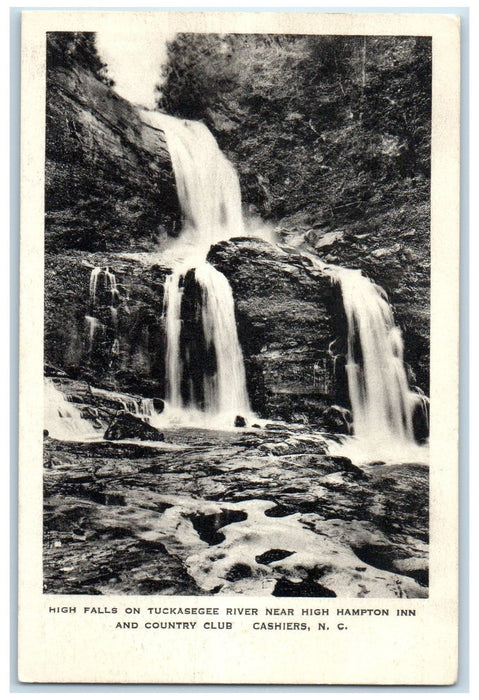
pixel 420 420
pixel 158 405
pixel 337 419
pixel 127 426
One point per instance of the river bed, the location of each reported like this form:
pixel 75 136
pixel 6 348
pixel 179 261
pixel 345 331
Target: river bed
pixel 256 512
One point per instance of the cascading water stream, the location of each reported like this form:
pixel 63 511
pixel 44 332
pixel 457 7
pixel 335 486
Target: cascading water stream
pixel 381 401
pixel 206 182
pixel 383 406
pixel 95 274
pixel 378 386
pixel 223 390
pixel 62 418
pixel 108 292
pixel 204 369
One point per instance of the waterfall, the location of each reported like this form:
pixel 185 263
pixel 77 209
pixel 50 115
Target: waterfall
pixel 102 294
pixel 206 182
pixel 95 274
pixel 378 386
pixel 225 391
pixel 62 418
pixel 381 401
pixel 204 362
pixel 213 342
pixel 205 373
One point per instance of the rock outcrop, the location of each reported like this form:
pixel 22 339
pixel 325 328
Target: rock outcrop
pixel 136 362
pixel 288 314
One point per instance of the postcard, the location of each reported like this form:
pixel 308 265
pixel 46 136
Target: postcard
pixel 239 306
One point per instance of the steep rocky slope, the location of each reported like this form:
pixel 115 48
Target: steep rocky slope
pixel 108 178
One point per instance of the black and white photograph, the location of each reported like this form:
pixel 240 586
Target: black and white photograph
pixel 237 303
pixel 239 347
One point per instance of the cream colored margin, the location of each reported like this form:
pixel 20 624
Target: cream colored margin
pixel 418 650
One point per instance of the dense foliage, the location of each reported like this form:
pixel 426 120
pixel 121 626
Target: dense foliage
pixel 67 49
pixel 313 123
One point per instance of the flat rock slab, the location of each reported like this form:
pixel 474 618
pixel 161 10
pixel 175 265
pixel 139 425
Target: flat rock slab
pixel 215 512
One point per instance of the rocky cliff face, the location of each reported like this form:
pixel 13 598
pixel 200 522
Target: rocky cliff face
pixel 136 361
pixel 108 177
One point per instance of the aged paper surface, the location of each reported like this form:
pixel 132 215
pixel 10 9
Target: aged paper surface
pixel 68 635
